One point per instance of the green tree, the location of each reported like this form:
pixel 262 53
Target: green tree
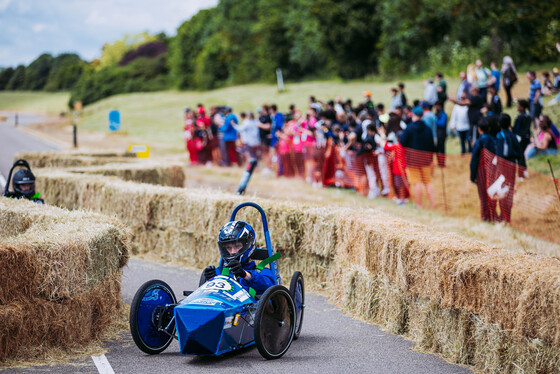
pixel 65 72
pixel 113 53
pixel 17 80
pixel 37 73
pixel 5 76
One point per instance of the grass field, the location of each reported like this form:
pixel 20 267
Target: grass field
pixel 39 102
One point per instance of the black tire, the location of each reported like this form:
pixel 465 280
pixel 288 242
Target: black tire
pixel 274 322
pixel 297 290
pixel 144 316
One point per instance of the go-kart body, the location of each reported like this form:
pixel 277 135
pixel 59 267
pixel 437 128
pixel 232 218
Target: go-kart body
pixel 216 318
pixel 221 315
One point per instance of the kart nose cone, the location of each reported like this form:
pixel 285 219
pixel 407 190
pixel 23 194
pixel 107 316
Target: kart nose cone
pixel 199 331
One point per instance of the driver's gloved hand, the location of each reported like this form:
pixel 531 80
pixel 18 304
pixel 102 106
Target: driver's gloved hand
pixel 236 269
pixel 209 272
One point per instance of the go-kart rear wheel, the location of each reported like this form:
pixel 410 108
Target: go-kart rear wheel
pixel 147 312
pixel 298 295
pixel 274 322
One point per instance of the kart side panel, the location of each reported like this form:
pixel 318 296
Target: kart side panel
pixel 205 319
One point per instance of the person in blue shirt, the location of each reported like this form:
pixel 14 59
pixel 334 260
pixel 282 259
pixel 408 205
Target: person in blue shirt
pixel 237 242
pixel 496 75
pixel 481 169
pixel 535 95
pixel 441 132
pixel 229 136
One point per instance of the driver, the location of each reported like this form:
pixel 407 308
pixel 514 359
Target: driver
pixel 236 242
pixel 23 184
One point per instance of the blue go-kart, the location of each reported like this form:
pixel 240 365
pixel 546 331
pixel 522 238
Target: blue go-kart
pixel 221 316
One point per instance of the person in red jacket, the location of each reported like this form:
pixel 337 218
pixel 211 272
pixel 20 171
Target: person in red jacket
pixel 398 166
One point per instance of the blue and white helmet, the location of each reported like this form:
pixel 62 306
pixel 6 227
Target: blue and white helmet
pixel 236 241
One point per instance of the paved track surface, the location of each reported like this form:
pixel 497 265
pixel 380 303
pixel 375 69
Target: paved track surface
pixel 330 342
pixel 12 140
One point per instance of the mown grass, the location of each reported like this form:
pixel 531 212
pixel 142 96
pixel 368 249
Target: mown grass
pixel 39 102
pixel 156 118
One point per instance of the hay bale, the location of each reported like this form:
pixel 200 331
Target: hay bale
pixel 60 253
pixel 142 172
pixel 60 274
pixel 33 325
pixel 73 159
pixel 370 262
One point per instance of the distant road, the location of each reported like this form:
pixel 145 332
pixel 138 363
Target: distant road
pixel 13 140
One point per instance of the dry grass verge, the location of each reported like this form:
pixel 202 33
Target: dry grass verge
pixel 473 303
pixel 60 275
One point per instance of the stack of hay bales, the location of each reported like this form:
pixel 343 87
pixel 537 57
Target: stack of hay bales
pixel 60 275
pixel 122 165
pixel 73 159
pixel 473 303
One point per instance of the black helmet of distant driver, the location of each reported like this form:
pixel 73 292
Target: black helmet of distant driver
pixel 24 183
pixel 236 241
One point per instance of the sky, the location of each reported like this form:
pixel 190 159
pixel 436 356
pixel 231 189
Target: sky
pixel 29 28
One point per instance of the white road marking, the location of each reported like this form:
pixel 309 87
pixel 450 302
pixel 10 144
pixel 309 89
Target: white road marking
pixel 2 182
pixel 103 366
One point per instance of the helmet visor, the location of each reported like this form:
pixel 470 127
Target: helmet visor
pixel 231 249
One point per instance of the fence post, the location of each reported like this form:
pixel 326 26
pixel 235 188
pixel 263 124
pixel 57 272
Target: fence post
pixel 75 135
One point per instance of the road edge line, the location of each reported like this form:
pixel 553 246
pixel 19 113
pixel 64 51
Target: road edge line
pixel 102 364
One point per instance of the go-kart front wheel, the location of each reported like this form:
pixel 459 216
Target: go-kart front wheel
pixel 298 294
pixel 149 316
pixel 274 322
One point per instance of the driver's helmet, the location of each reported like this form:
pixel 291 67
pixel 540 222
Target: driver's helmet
pixel 236 241
pixel 24 183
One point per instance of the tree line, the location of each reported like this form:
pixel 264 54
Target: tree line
pixel 244 41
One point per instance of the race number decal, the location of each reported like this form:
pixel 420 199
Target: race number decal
pixel 218 284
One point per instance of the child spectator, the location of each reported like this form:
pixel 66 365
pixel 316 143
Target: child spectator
pixel 495 104
pixel 483 151
pixel 522 126
pixel 511 157
pixel 398 165
pixel 460 123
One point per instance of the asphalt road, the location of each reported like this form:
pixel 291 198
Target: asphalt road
pixel 12 140
pixel 330 341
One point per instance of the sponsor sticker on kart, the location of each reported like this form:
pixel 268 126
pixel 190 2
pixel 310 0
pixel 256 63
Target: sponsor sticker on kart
pixel 205 301
pixel 219 285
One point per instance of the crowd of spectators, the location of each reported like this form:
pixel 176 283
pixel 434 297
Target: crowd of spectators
pixel 379 152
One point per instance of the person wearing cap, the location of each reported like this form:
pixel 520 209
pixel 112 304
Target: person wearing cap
pixel 418 141
pixel 368 103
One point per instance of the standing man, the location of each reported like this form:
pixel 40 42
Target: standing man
pixel 483 76
pixel 481 169
pixel 230 136
pixel 441 88
pixel 496 76
pixel 509 74
pixel 535 95
pixel 277 124
pixel 464 86
pixel 441 132
pixel 418 140
pixel 430 92
pixel 402 95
